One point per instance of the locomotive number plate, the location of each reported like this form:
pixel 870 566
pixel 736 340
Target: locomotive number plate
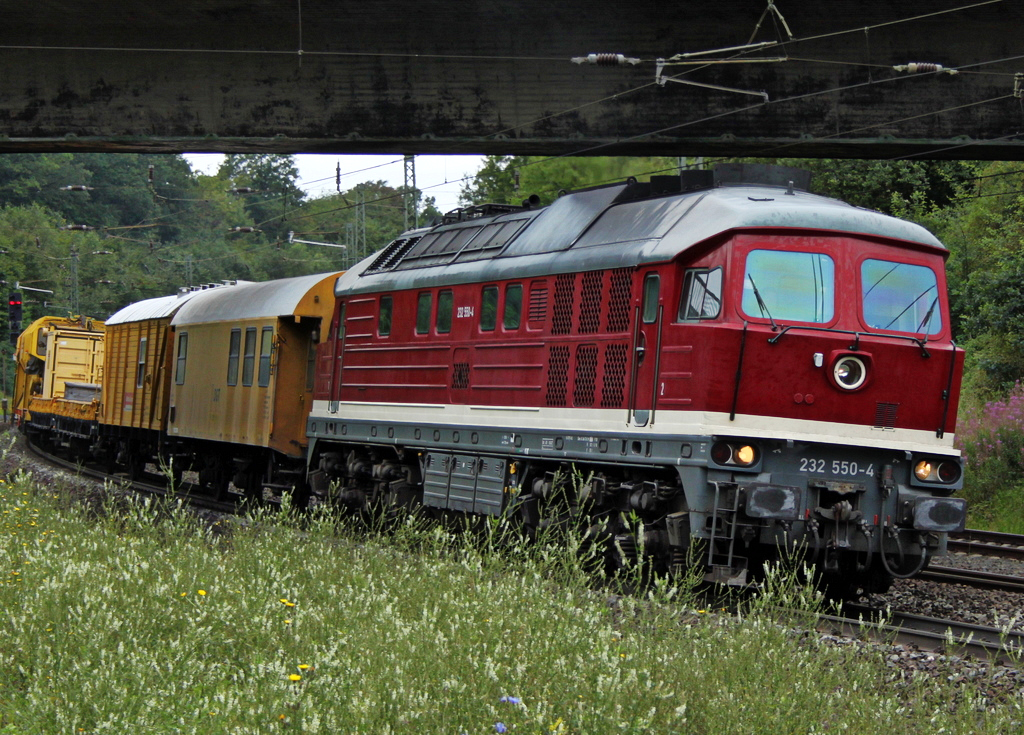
pixel 840 468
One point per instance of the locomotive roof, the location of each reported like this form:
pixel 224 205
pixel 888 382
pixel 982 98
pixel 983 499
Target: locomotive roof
pixel 609 227
pixel 249 300
pixel 158 308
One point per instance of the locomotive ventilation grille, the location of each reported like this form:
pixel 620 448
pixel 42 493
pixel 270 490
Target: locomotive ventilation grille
pixel 590 306
pixel 392 254
pixel 618 299
pixel 558 374
pixel 460 376
pixel 614 384
pixel 564 291
pixel 885 415
pixel 586 375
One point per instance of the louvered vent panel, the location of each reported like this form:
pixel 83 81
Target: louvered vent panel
pixel 558 375
pixel 538 302
pixel 885 415
pixel 618 300
pixel 590 304
pixel 564 291
pixel 586 376
pixel 614 384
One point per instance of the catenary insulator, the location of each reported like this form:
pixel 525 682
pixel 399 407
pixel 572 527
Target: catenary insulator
pixel 918 67
pixel 606 59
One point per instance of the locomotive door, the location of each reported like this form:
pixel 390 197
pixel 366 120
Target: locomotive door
pixel 643 382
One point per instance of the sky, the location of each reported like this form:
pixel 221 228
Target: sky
pixel 436 176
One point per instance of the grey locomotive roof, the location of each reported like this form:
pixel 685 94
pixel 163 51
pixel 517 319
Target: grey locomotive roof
pixel 603 228
pixel 247 300
pixel 158 308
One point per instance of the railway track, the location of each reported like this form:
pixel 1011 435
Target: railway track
pixel 928 633
pixel 987 543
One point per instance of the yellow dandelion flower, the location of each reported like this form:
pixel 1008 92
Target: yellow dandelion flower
pixel 295 677
pixel 303 667
pixel 287 621
pixel 201 593
pixel 184 594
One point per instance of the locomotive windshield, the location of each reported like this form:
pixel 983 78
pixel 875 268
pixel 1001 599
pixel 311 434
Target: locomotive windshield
pixel 789 286
pixel 900 297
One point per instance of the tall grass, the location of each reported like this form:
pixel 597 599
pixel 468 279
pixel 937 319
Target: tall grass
pixel 140 618
pixel 991 437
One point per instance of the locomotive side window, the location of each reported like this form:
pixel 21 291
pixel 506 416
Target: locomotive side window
pixel 249 358
pixel 179 372
pixel 384 316
pixel 789 286
pixel 443 322
pixel 266 344
pixel 900 297
pixel 233 350
pixel 489 308
pixel 140 373
pixel 423 313
pixel 702 295
pixel 513 306
pixel 652 285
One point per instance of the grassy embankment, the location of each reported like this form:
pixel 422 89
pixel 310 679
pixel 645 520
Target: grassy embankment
pixel 135 618
pixel 991 436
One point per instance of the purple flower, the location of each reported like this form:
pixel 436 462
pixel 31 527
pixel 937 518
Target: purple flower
pixel 500 727
pixel 511 700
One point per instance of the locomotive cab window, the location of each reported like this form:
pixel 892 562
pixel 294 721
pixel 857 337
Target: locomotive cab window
pixel 179 372
pixel 900 297
pixel 513 306
pixel 384 316
pixel 249 359
pixel 789 286
pixel 443 322
pixel 233 349
pixel 489 308
pixel 652 286
pixel 266 346
pixel 423 313
pixel 702 295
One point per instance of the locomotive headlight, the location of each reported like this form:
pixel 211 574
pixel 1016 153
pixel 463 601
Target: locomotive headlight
pixel 734 454
pixel 938 471
pixel 850 372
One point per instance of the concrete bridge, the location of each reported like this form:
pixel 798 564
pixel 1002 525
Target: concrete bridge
pixel 843 78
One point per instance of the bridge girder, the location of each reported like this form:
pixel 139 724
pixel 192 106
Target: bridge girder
pixel 321 76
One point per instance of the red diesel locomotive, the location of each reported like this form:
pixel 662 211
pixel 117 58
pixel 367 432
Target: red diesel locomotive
pixel 698 361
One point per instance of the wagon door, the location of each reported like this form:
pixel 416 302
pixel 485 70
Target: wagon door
pixel 643 384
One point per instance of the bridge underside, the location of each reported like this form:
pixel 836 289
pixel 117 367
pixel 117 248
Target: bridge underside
pixel 441 77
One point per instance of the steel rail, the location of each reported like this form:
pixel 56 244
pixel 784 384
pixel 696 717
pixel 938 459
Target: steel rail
pixel 930 634
pixel 987 543
pixel 973 578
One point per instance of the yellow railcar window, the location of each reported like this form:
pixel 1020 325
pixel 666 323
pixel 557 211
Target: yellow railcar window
pixel 266 344
pixel 140 372
pixel 233 350
pixel 249 360
pixel 179 373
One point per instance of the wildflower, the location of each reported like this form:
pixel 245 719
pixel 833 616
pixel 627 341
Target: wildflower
pixel 303 667
pixel 511 700
pixel 295 677
pixel 284 601
pixel 500 727
pixel 201 593
pixel 287 622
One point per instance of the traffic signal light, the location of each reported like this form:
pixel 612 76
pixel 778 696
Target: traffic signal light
pixel 14 316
